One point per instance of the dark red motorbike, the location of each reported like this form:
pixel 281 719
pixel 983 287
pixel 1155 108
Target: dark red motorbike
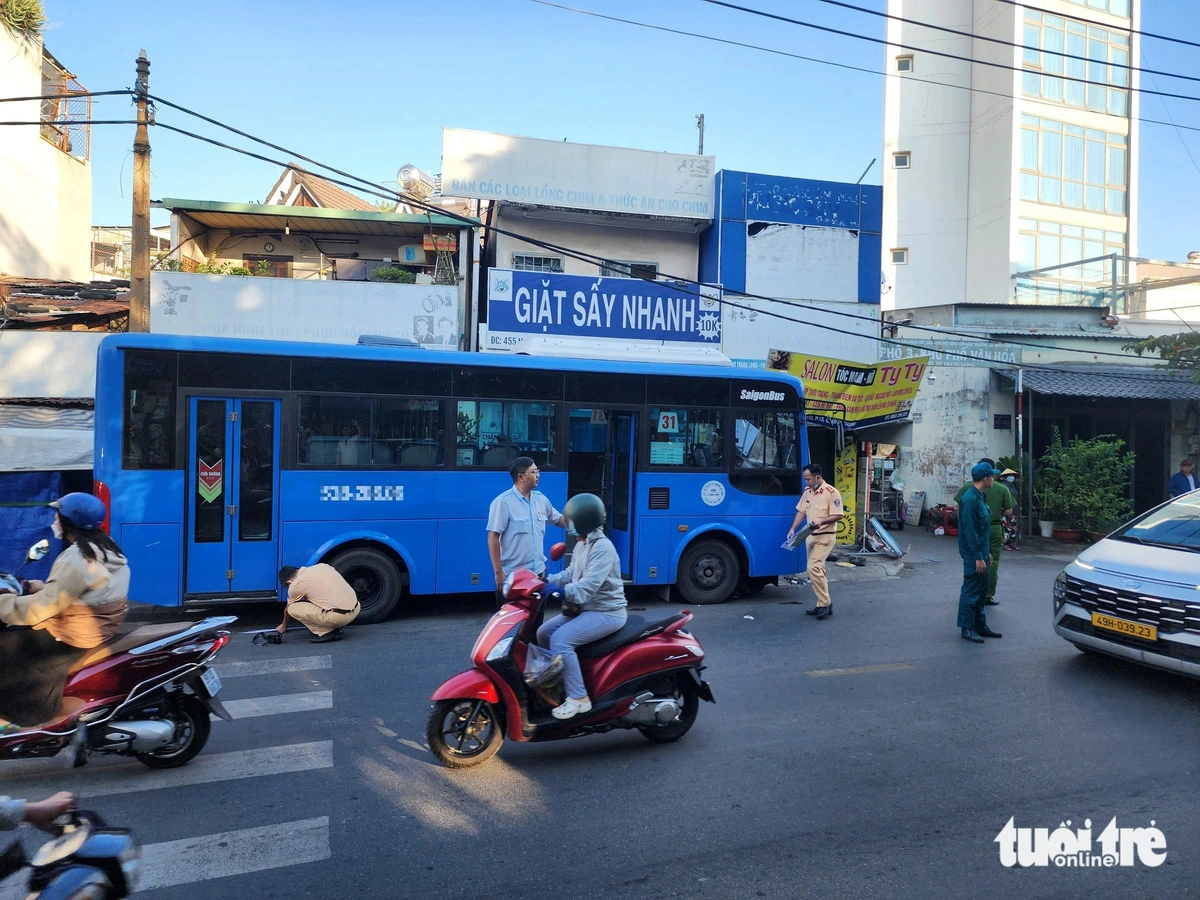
pixel 147 693
pixel 645 676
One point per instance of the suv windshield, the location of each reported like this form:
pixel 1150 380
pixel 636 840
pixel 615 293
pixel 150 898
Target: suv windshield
pixel 1175 525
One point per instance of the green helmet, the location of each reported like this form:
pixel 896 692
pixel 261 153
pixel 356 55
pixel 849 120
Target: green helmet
pixel 585 512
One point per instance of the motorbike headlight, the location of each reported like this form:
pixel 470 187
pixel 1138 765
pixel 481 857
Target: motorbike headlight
pixel 501 649
pixel 508 583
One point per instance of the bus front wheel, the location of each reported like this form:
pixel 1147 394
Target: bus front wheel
pixel 708 572
pixel 375 578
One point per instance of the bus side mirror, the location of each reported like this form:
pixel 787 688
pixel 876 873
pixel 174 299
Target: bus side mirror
pixel 558 551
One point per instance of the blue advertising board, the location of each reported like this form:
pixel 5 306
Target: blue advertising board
pixel 522 305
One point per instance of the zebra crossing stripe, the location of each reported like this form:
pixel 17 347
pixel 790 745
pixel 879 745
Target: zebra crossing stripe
pixel 234 853
pixel 218 855
pixel 131 777
pixel 274 666
pixel 279 704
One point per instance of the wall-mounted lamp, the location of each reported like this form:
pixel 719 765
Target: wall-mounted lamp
pixel 287 226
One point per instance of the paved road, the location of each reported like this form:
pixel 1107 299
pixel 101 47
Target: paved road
pixel 874 754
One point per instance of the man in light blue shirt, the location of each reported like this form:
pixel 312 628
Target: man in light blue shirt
pixel 516 524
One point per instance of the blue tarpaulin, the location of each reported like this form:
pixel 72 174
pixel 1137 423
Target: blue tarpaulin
pixel 25 519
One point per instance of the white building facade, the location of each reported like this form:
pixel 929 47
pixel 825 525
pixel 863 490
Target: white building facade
pixel 1018 155
pixel 1010 147
pixel 45 176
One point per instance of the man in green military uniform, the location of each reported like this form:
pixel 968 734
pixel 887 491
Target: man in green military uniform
pixel 973 548
pixel 999 503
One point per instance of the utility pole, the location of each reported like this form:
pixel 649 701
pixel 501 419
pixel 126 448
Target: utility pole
pixel 700 127
pixel 139 293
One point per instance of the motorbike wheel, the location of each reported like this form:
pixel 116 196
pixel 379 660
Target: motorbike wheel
pixel 460 739
pixel 192 727
pixel 686 692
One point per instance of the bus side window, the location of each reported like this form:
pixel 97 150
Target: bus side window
pixel 765 453
pixel 690 438
pixel 492 433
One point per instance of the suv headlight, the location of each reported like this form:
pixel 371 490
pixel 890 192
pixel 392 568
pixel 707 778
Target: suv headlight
pixel 1060 591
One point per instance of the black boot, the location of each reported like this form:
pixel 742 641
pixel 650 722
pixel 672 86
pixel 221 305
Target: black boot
pixel 824 612
pixel 971 636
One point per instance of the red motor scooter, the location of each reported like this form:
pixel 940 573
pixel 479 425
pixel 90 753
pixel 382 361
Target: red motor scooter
pixel 147 693
pixel 645 676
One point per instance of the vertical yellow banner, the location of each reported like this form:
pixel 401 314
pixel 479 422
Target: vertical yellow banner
pixel 845 479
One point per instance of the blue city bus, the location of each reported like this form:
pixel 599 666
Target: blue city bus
pixel 221 460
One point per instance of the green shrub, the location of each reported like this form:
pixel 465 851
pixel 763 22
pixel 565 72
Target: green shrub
pixel 392 275
pixel 1086 483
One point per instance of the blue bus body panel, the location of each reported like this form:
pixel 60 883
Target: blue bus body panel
pixel 146 523
pixel 758 522
pixel 410 512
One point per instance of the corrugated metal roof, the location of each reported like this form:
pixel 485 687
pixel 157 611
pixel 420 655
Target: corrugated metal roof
pixel 309 219
pixel 1122 382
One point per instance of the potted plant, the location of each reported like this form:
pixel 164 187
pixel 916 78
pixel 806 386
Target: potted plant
pixel 1086 485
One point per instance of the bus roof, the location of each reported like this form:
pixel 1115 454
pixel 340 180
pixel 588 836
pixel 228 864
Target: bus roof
pixel 245 346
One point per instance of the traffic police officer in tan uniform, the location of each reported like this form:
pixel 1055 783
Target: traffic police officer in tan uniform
pixel 821 505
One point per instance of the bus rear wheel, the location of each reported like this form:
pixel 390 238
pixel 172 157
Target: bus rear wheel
pixel 708 572
pixel 375 578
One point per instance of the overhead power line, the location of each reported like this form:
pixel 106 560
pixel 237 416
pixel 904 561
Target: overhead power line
pixel 811 59
pixel 995 40
pixel 1150 34
pixel 66 96
pixel 369 187
pixel 75 122
pixel 942 53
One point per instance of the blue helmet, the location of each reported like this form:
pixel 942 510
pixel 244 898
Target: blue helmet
pixel 84 510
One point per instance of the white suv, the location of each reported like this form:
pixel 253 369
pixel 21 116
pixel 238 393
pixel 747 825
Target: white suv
pixel 1136 594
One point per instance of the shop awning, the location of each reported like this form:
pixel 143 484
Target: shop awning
pixel 45 439
pixel 1125 382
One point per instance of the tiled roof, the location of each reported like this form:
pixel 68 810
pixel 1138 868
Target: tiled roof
pixel 1119 382
pixel 327 194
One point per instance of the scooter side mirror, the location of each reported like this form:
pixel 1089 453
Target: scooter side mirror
pixel 37 551
pixel 558 551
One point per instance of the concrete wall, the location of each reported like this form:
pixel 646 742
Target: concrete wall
pixel 48 364
pixel 612 238
pixel 45 195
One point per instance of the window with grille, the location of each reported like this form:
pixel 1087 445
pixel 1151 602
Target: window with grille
pixel 528 262
pixel 627 268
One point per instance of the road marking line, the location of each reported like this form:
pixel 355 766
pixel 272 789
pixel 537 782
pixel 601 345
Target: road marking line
pixel 234 853
pixel 130 777
pixel 279 704
pixel 274 666
pixel 858 670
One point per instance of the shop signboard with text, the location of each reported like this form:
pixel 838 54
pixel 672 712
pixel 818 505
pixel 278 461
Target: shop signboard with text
pixel 870 393
pixel 537 172
pixel 523 305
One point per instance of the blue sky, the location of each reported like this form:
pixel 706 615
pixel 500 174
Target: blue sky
pixel 367 85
